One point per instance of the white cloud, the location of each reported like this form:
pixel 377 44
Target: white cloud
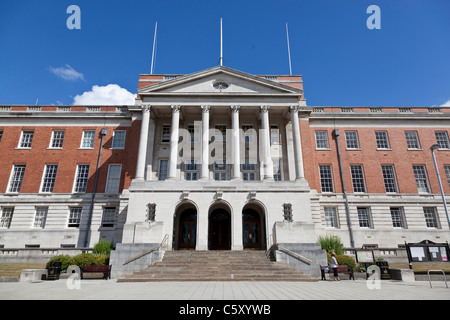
pixel 446 104
pixel 111 94
pixel 67 73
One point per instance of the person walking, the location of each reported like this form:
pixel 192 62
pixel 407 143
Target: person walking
pixel 333 265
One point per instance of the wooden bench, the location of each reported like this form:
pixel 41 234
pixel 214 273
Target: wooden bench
pixel 106 270
pixel 340 269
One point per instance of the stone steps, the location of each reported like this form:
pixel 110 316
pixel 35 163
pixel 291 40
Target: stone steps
pixel 217 266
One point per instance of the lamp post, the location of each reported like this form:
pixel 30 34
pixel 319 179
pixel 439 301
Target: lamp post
pixel 432 148
pixel 103 133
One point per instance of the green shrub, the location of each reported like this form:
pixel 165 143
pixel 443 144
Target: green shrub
pixel 346 260
pixel 101 260
pixel 343 259
pixel 84 259
pixel 81 260
pixel 331 243
pixel 103 247
pixel 65 260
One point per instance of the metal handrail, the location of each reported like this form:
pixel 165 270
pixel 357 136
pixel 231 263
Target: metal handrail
pixel 273 245
pixel 295 254
pixel 429 279
pixel 163 243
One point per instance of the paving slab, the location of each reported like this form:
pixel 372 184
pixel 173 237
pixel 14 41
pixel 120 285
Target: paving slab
pixel 241 290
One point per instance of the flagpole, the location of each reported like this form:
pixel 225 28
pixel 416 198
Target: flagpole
pixel 221 44
pixel 154 44
pixel 289 49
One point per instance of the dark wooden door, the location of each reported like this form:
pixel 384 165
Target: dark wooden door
pixel 251 225
pixel 188 230
pixel 220 230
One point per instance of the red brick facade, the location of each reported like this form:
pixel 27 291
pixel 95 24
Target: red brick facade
pixel 67 158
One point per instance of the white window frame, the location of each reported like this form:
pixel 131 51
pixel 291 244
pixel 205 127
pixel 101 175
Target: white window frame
pixel 390 182
pixel 26 139
pixel 6 217
pixel 277 169
pixel 442 141
pixel 398 217
pixel 352 140
pixel 40 217
pixel 15 184
pixel 74 218
pixel 57 138
pixel 356 180
pixel 49 178
pixel 382 140
pixel 166 173
pixel 323 178
pixel 322 141
pixel 88 139
pixel 249 172
pixel 275 137
pixel 108 216
pixel 431 218
pixel 165 137
pixel 364 218
pixel 421 181
pixel 191 170
pixel 118 140
pixel 113 181
pixel 412 140
pixel 331 217
pixel 220 173
pixel 76 187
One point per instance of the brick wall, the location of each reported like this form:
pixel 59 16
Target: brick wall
pixel 372 159
pixel 67 158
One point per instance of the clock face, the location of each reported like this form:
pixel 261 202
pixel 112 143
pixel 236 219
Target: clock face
pixel 220 85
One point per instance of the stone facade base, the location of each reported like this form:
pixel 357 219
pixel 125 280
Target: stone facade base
pixel 126 251
pixel 311 251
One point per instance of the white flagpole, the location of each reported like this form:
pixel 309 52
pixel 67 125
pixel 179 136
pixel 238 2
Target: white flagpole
pixel 289 50
pixel 221 43
pixel 154 44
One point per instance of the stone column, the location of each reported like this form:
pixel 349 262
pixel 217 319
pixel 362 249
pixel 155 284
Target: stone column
pixel 143 141
pixel 236 174
pixel 205 143
pixel 265 144
pixel 299 174
pixel 174 136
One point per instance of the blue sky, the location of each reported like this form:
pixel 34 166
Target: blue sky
pixel 405 63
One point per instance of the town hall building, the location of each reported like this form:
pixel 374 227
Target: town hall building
pixel 222 160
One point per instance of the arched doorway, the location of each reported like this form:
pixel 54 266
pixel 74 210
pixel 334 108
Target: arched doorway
pixel 219 228
pixel 185 231
pixel 253 227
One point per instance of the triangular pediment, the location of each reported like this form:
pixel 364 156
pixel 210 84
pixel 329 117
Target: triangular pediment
pixel 207 82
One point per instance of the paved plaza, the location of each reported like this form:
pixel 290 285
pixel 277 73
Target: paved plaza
pixel 270 291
